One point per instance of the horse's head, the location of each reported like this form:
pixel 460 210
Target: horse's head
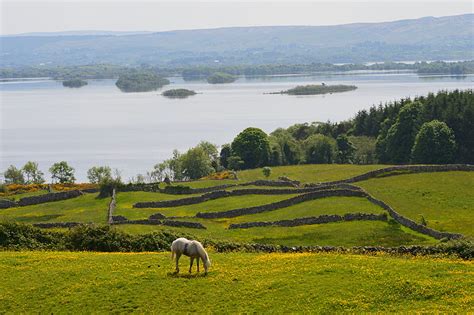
pixel 207 263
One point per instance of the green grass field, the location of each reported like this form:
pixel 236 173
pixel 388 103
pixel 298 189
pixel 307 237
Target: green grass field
pixel 72 282
pixel 444 199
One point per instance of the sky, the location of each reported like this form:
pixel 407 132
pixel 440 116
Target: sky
pixel 22 16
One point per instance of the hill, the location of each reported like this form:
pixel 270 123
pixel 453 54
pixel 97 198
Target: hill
pixel 429 38
pixel 322 210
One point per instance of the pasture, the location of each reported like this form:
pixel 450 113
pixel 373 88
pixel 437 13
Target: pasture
pixel 73 282
pixel 443 199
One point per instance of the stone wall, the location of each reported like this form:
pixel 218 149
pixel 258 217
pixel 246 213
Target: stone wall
pixel 313 220
pixel 395 170
pixel 150 221
pixel 283 204
pixel 5 204
pixel 51 225
pixel 238 192
pixel 33 200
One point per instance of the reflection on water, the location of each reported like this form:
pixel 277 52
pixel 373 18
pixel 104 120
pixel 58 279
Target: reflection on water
pixel 97 124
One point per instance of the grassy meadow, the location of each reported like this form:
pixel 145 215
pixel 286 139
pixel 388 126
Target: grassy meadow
pixel 444 199
pixel 73 282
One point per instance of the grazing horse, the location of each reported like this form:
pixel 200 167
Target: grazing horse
pixel 192 249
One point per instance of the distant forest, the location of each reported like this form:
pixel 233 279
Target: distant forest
pixel 203 72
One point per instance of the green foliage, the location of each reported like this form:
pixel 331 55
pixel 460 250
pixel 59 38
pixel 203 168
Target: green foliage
pixel 140 82
pixel 221 77
pixel 74 83
pixel 99 174
pixel 434 144
pixel 266 171
pixel 13 175
pixel 224 155
pixel 319 149
pixel 253 147
pixel 178 93
pixel 235 163
pixel 345 150
pixel 196 163
pixel 365 152
pixel 401 135
pixel 317 89
pixel 177 189
pixel 62 173
pixel 455 108
pixel 15 236
pixel 33 173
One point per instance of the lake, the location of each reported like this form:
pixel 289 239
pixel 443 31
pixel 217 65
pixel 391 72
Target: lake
pixel 99 125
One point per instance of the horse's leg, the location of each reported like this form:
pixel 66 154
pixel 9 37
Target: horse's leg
pixel 198 263
pixel 191 264
pixel 178 255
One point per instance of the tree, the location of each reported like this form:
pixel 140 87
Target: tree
pixel 434 144
pixel 252 146
pixel 98 174
pixel 290 149
pixel 235 163
pixel 62 173
pixel 14 176
pixel 266 171
pixel 345 150
pixel 32 173
pixel 211 151
pixel 401 135
pixel 319 149
pixel 196 163
pixel 225 154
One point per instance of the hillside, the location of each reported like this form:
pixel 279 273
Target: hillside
pixel 420 39
pixel 322 212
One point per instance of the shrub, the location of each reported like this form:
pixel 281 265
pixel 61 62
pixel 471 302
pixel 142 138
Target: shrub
pixel 21 236
pixel 266 171
pixel 178 189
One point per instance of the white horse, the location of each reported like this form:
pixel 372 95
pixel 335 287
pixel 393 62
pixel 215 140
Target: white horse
pixel 192 249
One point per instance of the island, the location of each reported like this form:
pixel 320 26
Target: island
pixel 315 89
pixel 140 82
pixel 178 93
pixel 220 78
pixel 74 83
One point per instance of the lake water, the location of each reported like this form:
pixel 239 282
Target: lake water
pixel 99 125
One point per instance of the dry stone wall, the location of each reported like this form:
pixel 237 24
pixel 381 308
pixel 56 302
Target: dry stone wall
pixel 313 220
pixel 237 192
pixel 283 204
pixel 405 169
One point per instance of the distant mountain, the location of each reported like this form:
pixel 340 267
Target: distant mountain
pixel 428 38
pixel 79 33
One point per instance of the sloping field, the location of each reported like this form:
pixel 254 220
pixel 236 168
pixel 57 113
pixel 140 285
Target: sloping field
pixel 444 199
pixel 72 282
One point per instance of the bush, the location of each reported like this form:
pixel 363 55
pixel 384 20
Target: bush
pixel 266 171
pixel 177 190
pixel 15 236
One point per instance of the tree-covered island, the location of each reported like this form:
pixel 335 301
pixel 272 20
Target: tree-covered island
pixel 178 93
pixel 314 89
pixel 74 83
pixel 221 77
pixel 140 82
